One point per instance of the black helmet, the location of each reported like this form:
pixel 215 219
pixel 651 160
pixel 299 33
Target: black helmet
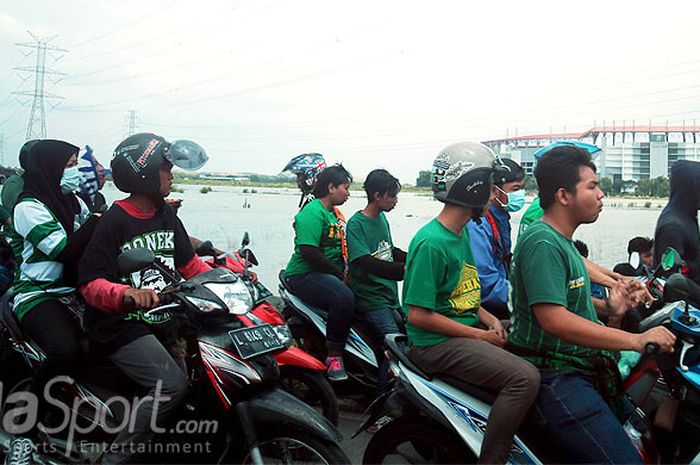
pixel 506 170
pixel 462 174
pixel 138 158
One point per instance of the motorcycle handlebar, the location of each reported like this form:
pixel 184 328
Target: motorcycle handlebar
pixel 651 348
pixel 130 303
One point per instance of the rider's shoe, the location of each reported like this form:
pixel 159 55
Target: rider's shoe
pixel 21 452
pixel 335 369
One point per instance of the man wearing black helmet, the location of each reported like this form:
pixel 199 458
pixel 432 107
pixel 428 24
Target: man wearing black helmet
pixel 442 296
pixel 141 167
pixel 490 239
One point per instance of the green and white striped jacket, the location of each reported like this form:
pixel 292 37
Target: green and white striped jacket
pixel 37 238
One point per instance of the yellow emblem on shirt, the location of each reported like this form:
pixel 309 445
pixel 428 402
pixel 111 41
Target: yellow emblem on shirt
pixel 467 293
pixel 576 283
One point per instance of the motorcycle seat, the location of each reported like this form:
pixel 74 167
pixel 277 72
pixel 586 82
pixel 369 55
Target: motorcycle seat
pixel 398 346
pixel 283 286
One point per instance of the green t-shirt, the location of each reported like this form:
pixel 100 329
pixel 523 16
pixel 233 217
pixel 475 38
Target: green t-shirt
pixel 533 213
pixel 441 276
pixel 547 268
pixel 371 236
pixel 314 225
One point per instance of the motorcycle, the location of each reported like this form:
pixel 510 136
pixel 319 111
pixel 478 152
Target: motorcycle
pixel 442 420
pixel 666 387
pixel 301 374
pixel 233 404
pixel 363 352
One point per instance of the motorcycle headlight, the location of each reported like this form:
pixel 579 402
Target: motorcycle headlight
pixel 236 296
pixel 204 305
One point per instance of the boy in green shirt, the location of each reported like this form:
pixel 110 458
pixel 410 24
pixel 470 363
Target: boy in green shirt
pixel 555 325
pixel 442 296
pixel 375 264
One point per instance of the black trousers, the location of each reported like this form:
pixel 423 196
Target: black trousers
pixel 51 325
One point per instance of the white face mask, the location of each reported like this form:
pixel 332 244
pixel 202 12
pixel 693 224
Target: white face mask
pixel 70 181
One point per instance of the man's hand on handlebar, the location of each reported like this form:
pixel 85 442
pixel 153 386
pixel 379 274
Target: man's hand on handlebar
pixel 141 298
pixel 659 337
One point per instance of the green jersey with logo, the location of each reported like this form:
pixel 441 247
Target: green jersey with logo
pixel 371 236
pixel 316 226
pixel 37 239
pixel 547 268
pixel 441 276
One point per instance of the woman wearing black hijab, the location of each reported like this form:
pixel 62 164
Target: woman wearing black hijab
pixel 46 243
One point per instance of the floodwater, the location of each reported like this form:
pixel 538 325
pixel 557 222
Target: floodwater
pixel 220 216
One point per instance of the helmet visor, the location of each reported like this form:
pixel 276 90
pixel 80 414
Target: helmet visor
pixel 186 155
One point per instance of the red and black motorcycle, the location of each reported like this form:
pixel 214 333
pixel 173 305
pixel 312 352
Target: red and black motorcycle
pixel 301 374
pixel 234 411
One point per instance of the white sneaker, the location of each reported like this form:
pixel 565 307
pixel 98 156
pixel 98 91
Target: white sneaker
pixel 21 452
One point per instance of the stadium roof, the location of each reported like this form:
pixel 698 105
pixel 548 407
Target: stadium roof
pixel 596 130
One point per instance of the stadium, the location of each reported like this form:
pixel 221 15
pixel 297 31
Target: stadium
pixel 629 153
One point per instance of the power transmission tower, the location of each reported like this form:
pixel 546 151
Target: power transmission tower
pixel 36 129
pixel 132 120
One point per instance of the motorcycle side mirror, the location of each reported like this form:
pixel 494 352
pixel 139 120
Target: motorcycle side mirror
pixel 634 260
pixel 676 288
pixel 249 256
pixel 246 240
pixel 670 259
pixel 133 260
pixel 205 248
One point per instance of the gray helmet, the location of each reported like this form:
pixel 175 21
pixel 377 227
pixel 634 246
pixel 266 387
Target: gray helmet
pixel 462 174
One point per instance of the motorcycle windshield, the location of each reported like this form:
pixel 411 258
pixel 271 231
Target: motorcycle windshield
pixel 187 155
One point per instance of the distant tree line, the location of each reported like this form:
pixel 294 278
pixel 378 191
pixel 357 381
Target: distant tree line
pixel 655 187
pixel 425 179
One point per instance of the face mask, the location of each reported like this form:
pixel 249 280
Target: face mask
pixel 516 200
pixel 70 181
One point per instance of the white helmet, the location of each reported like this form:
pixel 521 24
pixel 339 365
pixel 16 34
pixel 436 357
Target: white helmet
pixel 462 174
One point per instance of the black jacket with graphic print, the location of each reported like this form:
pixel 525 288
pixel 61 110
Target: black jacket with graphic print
pixel 118 231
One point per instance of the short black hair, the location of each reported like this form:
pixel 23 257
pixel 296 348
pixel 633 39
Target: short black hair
pixel 380 182
pixel 581 247
pixel 640 244
pixel 559 168
pixel 335 175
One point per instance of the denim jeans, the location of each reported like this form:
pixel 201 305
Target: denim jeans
pixel 327 292
pixel 381 323
pixel 579 420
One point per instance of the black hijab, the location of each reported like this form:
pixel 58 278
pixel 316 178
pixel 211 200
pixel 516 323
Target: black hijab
pixel 43 162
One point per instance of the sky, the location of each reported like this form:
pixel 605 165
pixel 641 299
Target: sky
pixel 371 84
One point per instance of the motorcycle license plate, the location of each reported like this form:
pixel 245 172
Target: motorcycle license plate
pixel 255 340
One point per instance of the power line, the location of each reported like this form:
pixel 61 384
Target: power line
pixel 150 14
pixel 206 30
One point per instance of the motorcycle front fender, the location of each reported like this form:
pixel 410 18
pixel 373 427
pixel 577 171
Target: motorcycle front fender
pixel 276 409
pixel 295 357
